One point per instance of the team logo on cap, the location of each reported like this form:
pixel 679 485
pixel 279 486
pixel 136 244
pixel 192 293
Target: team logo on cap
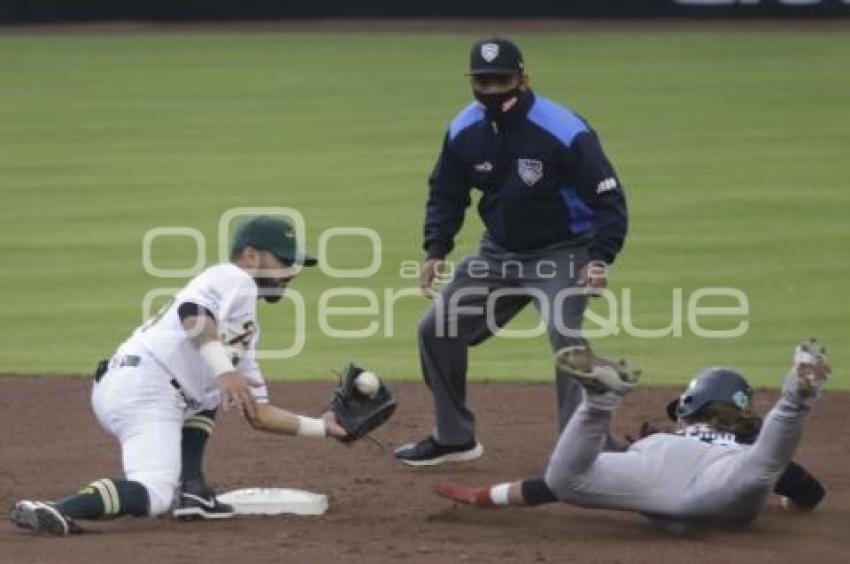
pixel 530 171
pixel 489 52
pixel 741 399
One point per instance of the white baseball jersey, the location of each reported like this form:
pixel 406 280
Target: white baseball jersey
pixel 230 294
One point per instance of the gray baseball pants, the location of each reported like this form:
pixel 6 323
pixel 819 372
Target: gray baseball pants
pixel 487 291
pixel 677 481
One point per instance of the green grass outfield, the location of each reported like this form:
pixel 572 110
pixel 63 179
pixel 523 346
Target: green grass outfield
pixel 733 148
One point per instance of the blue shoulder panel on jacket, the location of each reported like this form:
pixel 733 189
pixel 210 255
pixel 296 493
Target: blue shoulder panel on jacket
pixel 471 114
pixel 557 120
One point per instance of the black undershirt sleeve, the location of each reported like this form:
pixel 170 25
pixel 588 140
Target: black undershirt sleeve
pixel 190 309
pixel 536 492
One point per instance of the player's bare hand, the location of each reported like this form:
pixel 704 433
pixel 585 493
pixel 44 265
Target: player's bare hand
pixel 332 427
pixel 593 277
pixel 430 270
pixel 235 389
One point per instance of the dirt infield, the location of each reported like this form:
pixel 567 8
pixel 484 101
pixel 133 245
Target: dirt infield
pixel 381 511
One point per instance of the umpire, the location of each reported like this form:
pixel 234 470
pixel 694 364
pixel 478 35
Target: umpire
pixel 555 217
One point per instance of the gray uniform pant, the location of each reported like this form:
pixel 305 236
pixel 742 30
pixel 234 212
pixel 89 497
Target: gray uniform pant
pixel 675 480
pixel 487 291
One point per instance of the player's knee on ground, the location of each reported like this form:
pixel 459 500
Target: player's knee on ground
pixel 105 499
pixel 160 493
pixel 132 498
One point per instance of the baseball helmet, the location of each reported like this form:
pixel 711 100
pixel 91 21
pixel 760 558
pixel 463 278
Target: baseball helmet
pixel 722 385
pixel 275 235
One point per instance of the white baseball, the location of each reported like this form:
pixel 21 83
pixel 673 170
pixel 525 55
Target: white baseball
pixel 367 383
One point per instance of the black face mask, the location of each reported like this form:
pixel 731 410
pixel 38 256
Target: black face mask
pixel 493 102
pixel 269 290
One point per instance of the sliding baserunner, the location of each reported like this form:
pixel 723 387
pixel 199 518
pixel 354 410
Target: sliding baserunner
pixel 700 475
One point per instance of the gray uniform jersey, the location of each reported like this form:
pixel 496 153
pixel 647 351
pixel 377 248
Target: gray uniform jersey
pixel 675 479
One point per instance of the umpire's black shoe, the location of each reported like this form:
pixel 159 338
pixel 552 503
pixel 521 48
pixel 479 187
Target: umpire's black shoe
pixel 196 500
pixel 428 452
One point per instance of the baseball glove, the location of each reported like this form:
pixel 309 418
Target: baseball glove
pixel 356 412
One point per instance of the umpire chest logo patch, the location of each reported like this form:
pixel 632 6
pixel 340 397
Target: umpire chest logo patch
pixel 530 171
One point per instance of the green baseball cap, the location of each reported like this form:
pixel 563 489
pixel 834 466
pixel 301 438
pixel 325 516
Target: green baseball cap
pixel 272 234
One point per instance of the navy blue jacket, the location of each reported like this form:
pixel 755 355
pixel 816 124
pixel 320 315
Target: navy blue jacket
pixel 543 176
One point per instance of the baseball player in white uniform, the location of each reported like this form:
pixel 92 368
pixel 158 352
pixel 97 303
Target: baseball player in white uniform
pixel 700 475
pixel 159 392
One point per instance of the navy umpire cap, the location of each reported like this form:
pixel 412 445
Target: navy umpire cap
pixel 495 56
pixel 712 385
pixel 272 234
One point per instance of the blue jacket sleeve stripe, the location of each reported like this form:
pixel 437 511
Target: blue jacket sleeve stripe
pixel 557 120
pixel 581 216
pixel 468 116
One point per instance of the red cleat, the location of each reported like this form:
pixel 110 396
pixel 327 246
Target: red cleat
pixel 469 495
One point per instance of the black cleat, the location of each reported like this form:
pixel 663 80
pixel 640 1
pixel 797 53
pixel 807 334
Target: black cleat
pixel 428 452
pixel 196 500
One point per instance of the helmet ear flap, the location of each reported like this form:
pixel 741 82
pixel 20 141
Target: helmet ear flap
pixel 685 406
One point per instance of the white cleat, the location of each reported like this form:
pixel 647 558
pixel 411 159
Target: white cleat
pixel 41 517
pixel 598 375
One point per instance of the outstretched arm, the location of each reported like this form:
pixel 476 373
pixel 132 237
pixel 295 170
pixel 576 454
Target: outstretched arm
pixel 529 492
pixel 783 426
pixel 271 419
pixel 508 493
